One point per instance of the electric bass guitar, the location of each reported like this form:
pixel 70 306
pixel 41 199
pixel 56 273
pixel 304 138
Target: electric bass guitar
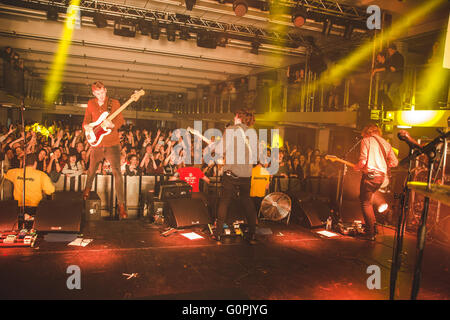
pixel 336 159
pixel 95 131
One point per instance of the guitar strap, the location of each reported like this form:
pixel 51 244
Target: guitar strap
pixel 383 151
pixel 388 172
pixel 109 105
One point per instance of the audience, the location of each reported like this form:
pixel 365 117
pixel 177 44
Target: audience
pixel 63 150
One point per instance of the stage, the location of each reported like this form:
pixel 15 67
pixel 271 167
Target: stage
pixel 293 263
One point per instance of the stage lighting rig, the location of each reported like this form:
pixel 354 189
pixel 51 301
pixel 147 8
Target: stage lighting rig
pixel 144 27
pixel 206 39
pixel 155 31
pixel 171 31
pixel 100 20
pixel 222 40
pixel 124 28
pixel 299 17
pixel 52 14
pixel 184 33
pixel 190 4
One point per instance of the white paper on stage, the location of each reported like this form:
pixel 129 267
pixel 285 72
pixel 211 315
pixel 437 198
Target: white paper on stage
pixel 192 235
pixel 80 242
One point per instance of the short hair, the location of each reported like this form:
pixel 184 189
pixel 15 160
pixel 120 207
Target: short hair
pixel 97 85
pixel 131 156
pixel 31 159
pixel 247 116
pixel 370 130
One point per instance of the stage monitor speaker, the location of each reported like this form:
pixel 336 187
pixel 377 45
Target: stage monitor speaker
pixel 9 215
pixel 59 216
pixel 310 213
pixel 186 212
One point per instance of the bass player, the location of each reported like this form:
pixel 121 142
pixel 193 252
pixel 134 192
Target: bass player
pixel 109 147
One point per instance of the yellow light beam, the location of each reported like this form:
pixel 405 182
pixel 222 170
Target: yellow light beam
pixel 349 63
pixel 432 80
pixel 53 84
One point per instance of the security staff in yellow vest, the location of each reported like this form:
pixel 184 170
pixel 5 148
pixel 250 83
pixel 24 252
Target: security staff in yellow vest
pixel 259 184
pixel 36 183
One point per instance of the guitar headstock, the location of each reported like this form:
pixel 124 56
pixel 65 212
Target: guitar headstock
pixel 137 95
pixel 331 157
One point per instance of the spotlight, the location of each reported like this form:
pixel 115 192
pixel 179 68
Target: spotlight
pixel 100 20
pixel 190 4
pixel 299 17
pixel 144 27
pixel 255 47
pixel 52 14
pixel 184 33
pixel 221 1
pixel 327 26
pixel 124 28
pixel 222 40
pixel 171 32
pixel 240 7
pixel 348 31
pixel 155 31
pixel 206 39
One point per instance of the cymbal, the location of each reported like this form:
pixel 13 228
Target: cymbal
pixel 438 192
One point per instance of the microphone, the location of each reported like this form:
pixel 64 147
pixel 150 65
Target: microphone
pixel 404 136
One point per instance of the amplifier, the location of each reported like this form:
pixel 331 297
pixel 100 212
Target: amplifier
pixel 175 190
pixel 156 210
pixel 93 207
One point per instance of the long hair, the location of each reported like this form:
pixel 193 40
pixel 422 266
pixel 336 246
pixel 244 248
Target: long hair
pixel 247 116
pixel 370 130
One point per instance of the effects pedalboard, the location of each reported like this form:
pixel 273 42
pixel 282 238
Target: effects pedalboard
pixel 22 238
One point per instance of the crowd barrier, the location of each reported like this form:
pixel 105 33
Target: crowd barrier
pixel 137 189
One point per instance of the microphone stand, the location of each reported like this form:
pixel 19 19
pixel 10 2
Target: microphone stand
pixel 21 218
pixel 430 151
pixel 400 231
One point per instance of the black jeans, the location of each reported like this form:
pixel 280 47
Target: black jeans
pixel 112 154
pixel 367 188
pixel 232 186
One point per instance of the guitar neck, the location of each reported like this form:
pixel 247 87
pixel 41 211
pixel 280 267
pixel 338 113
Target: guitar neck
pixel 347 163
pixel 116 113
pixel 335 159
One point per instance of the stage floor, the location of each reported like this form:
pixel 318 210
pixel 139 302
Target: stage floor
pixel 292 263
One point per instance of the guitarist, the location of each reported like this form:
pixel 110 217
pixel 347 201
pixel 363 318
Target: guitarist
pixel 109 147
pixel 375 159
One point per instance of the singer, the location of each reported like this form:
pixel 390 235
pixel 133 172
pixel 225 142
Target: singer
pixel 376 157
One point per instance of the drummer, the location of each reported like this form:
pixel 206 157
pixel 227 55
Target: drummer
pixel 259 186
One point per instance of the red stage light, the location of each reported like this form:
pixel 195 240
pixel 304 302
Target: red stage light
pixel 240 7
pixel 299 21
